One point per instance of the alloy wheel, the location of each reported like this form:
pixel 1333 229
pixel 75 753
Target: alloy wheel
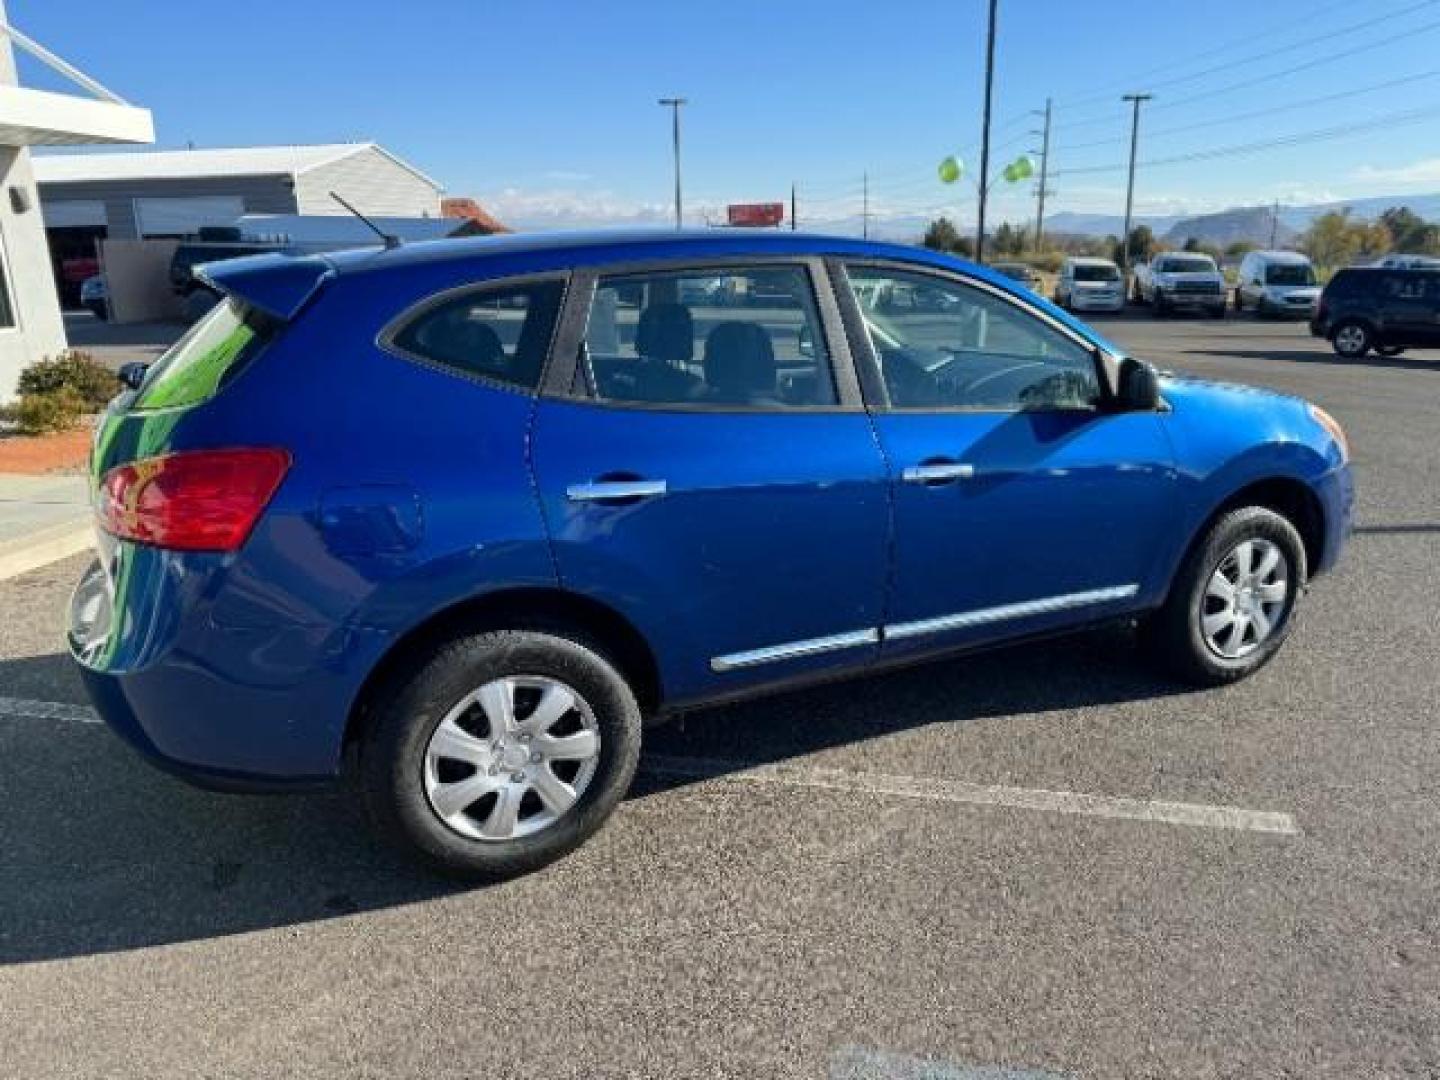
pixel 1245 598
pixel 511 758
pixel 1350 340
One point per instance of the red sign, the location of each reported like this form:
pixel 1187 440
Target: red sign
pixel 756 215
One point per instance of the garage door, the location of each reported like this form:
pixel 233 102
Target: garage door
pixel 186 215
pixel 73 213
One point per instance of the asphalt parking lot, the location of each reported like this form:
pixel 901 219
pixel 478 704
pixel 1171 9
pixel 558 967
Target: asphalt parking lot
pixel 886 896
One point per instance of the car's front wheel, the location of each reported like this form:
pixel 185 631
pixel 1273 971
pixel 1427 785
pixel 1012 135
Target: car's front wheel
pixel 1233 602
pixel 499 752
pixel 1352 340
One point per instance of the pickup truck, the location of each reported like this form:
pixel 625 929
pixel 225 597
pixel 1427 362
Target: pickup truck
pixel 1180 279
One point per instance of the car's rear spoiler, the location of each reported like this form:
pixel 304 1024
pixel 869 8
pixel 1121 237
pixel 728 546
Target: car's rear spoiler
pixel 279 285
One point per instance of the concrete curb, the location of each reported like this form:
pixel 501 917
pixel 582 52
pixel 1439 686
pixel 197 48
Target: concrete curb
pixel 45 546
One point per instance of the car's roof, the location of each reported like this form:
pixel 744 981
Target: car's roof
pixel 598 247
pixel 1090 260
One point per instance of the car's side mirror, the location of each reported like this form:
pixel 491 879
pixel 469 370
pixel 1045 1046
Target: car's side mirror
pixel 1139 389
pixel 131 375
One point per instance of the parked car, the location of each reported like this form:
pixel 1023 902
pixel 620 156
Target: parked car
pixel 1365 308
pixel 1276 283
pixel 95 296
pixel 373 519
pixel 1090 285
pixel 197 297
pixel 1400 261
pixel 1176 280
pixel 1020 272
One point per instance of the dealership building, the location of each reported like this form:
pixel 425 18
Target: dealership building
pixel 176 193
pixel 30 323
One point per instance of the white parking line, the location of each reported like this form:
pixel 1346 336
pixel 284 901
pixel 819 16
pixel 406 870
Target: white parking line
pixel 47 710
pixel 1198 815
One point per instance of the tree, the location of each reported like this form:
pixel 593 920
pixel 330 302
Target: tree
pixel 1142 245
pixel 1239 249
pixel 1336 239
pixel 1010 239
pixel 1409 232
pixel 941 235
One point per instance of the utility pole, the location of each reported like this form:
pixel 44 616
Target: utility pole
pixel 985 135
pixel 1274 223
pixel 792 206
pixel 1044 171
pixel 674 104
pixel 865 212
pixel 1136 100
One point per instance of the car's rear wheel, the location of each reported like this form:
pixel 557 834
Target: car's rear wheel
pixel 1352 340
pixel 499 752
pixel 1233 602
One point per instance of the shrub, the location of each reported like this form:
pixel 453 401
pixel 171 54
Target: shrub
pixel 91 382
pixel 54 410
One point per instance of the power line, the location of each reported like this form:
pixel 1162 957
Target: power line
pixel 1319 135
pixel 1256 113
pixel 1266 54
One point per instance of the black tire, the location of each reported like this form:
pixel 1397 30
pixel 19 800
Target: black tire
pixel 1218 312
pixel 1160 307
pixel 1239 303
pixel 1172 636
pixel 407 711
pixel 1351 339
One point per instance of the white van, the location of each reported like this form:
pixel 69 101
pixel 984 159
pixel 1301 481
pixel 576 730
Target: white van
pixel 1277 283
pixel 1090 285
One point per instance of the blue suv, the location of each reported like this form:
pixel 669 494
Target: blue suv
pixel 453 519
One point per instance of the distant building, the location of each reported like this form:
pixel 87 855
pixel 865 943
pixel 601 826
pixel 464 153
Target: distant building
pixel 30 323
pixel 470 210
pixel 176 193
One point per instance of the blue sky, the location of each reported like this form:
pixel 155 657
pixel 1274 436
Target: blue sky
pixel 546 110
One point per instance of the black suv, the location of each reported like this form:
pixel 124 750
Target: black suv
pixel 1366 308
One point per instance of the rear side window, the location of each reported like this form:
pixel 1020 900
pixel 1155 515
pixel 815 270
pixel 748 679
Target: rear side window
pixel 746 338
pixel 500 333
pixel 209 354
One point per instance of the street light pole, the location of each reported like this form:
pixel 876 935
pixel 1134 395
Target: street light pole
pixel 985 136
pixel 674 104
pixel 1136 100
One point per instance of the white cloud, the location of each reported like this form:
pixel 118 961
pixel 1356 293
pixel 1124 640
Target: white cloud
pixel 1421 174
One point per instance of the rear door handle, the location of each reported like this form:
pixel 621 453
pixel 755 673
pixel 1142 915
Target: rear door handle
pixel 615 490
pixel 938 472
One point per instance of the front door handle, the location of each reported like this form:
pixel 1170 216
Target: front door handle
pixel 938 472
pixel 615 491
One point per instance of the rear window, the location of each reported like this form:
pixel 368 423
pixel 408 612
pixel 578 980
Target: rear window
pixel 500 333
pixel 209 354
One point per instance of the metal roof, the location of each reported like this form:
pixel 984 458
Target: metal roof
pixel 194 164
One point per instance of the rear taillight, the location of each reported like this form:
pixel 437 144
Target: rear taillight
pixel 204 500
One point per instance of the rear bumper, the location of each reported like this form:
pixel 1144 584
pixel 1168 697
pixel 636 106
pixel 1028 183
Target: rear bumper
pixel 230 707
pixel 1081 302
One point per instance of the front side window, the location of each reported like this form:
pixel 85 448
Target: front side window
pixel 500 333
pixel 965 348
pixel 746 338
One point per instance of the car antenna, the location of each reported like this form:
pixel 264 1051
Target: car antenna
pixel 391 240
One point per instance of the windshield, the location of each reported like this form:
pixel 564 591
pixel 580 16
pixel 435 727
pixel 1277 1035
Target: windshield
pixel 1290 274
pixel 1097 273
pixel 1195 264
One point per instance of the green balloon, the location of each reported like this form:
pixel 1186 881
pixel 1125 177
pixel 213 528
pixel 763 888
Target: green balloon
pixel 1010 174
pixel 951 169
pixel 1023 168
